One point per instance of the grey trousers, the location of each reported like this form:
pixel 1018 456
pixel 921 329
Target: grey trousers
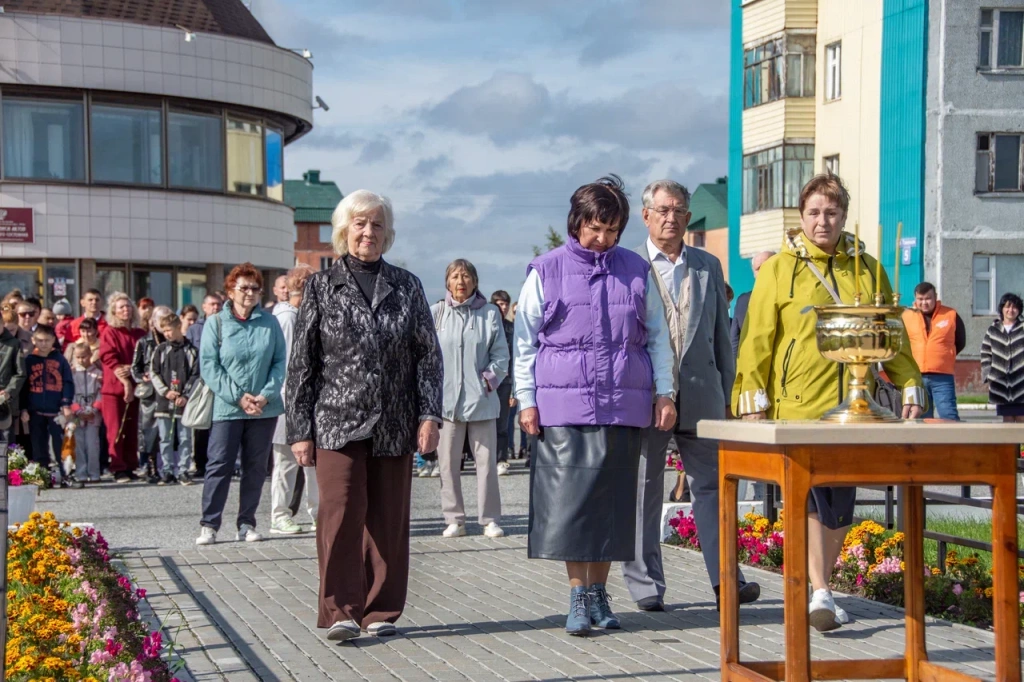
pixel 482 443
pixel 645 575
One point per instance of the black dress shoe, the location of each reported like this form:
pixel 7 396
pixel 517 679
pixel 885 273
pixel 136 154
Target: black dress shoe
pixel 747 593
pixel 651 604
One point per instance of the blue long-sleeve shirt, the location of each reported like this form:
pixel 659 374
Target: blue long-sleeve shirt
pixel 50 384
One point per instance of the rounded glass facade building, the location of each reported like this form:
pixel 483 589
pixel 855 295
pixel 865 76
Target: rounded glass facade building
pixel 141 146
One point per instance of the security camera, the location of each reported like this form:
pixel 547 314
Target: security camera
pixel 321 104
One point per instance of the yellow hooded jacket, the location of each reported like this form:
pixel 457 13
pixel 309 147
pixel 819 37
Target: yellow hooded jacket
pixel 779 370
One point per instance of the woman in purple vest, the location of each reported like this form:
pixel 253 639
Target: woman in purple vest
pixel 593 366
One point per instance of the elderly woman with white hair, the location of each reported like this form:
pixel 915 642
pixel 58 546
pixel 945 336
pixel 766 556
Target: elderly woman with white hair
pixel 364 392
pixel 148 434
pixel 120 409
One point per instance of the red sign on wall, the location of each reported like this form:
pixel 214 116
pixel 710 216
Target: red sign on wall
pixel 16 225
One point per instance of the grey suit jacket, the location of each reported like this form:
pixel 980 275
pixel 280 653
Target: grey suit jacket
pixel 707 367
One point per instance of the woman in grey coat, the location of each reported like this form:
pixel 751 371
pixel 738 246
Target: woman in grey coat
pixel 475 362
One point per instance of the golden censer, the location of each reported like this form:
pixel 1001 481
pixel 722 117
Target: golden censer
pixel 859 336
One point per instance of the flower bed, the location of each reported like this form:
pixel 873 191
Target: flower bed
pixel 71 615
pixel 870 565
pixel 20 471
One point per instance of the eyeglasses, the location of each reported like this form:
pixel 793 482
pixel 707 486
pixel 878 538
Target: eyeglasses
pixel 252 289
pixel 29 313
pixel 664 211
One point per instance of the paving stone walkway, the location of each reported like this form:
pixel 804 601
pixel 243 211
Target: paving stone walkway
pixel 479 610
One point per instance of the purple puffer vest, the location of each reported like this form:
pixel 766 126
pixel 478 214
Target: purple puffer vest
pixel 592 366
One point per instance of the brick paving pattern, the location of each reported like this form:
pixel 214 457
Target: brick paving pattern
pixel 479 610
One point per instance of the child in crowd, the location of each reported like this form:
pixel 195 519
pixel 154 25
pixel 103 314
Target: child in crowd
pixel 49 391
pixel 174 370
pixel 89 332
pixel 88 380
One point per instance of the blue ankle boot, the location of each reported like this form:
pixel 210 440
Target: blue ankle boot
pixel 578 622
pixel 600 611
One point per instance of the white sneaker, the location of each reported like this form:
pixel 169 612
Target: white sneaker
pixel 503 468
pixel 248 533
pixel 493 530
pixel 822 613
pixel 435 470
pixel 454 530
pixel 424 471
pixel 382 630
pixel 207 536
pixel 285 527
pixel 343 631
pixel 312 527
pixel 842 617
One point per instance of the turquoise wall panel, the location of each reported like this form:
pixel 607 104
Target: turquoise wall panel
pixel 901 166
pixel 740 276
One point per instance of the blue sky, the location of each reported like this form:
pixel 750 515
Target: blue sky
pixel 479 118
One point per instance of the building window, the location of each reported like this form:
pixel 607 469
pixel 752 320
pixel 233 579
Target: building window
pixel 191 286
pixel 126 145
pixel 275 164
pixel 831 164
pixel 998 163
pixel 1001 39
pixel 44 140
pixel 245 157
pixel 783 67
pixel 833 72
pixel 194 151
pixel 993 277
pixel 325 234
pixel 773 178
pixel 698 239
pixel 326 262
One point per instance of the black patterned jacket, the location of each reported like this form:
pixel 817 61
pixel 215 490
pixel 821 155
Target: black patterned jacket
pixel 358 373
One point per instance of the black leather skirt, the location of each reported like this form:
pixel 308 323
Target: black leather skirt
pixel 583 493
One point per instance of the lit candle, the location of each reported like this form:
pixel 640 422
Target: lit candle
pixel 878 265
pixel 856 262
pixel 896 260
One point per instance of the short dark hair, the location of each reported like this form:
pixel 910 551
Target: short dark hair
pixel 603 201
pixel 1010 298
pixel 501 295
pixel 45 330
pixel 186 309
pixel 924 288
pixel 34 302
pixel 97 292
pixel 88 323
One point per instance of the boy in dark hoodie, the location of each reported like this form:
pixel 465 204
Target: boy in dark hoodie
pixel 49 391
pixel 174 369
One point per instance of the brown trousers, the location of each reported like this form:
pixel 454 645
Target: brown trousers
pixel 362 534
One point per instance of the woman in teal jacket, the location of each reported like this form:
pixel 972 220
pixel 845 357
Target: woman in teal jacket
pixel 243 361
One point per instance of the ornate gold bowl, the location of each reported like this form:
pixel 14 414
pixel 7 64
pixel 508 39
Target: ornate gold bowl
pixel 858 336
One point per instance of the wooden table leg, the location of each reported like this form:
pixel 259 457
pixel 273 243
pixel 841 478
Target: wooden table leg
pixel 1005 598
pixel 728 570
pixel 913 580
pixel 796 488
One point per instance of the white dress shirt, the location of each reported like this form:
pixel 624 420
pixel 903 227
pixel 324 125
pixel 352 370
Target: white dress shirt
pixel 672 274
pixel 530 317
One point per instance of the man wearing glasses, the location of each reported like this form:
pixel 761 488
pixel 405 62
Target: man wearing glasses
pixel 692 286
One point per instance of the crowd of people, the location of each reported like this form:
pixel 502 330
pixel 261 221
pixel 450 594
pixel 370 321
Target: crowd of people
pixel 349 383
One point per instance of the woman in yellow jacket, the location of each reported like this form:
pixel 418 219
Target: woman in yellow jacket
pixel 781 375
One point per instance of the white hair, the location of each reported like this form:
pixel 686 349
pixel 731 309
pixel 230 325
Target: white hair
pixel 112 319
pixel 670 186
pixel 358 203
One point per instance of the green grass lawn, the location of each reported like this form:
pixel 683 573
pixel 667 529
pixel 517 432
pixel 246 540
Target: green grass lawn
pixel 972 399
pixel 960 526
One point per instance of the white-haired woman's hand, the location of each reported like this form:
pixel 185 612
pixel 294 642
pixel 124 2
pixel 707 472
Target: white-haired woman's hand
pixel 428 437
pixel 304 453
pixel 529 420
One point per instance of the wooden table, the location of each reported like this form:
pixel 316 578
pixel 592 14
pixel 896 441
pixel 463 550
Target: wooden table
pixel 799 455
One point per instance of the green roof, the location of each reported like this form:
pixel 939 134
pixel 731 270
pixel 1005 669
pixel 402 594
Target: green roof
pixel 313 199
pixel 710 206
